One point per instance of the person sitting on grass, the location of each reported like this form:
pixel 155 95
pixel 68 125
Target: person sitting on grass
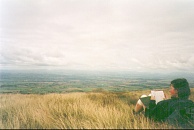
pixel 170 110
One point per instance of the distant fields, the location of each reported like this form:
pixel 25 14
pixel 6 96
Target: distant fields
pixel 78 86
pixel 65 82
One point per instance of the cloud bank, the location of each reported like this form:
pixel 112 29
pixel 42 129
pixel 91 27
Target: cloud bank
pixel 100 34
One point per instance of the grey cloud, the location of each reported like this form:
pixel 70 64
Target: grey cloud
pixel 98 34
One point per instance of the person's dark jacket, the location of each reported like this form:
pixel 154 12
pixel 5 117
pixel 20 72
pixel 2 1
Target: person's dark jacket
pixel 165 108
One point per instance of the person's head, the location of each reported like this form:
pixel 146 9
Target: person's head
pixel 180 88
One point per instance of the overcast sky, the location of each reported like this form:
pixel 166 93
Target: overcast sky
pixel 134 35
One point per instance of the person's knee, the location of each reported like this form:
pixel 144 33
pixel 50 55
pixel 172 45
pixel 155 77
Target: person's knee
pixel 139 104
pixel 139 101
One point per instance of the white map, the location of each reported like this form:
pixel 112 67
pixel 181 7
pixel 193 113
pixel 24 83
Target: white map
pixel 158 94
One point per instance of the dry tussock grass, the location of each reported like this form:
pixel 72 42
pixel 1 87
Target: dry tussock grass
pixel 74 110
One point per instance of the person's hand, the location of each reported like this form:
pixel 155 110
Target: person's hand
pixel 153 98
pixel 165 97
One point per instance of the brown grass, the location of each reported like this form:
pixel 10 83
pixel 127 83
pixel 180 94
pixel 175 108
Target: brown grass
pixel 74 110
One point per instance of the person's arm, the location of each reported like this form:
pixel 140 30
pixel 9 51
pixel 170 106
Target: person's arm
pixel 157 112
pixel 150 111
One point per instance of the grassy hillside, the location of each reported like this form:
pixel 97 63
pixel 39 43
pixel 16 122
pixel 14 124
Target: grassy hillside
pixel 74 110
